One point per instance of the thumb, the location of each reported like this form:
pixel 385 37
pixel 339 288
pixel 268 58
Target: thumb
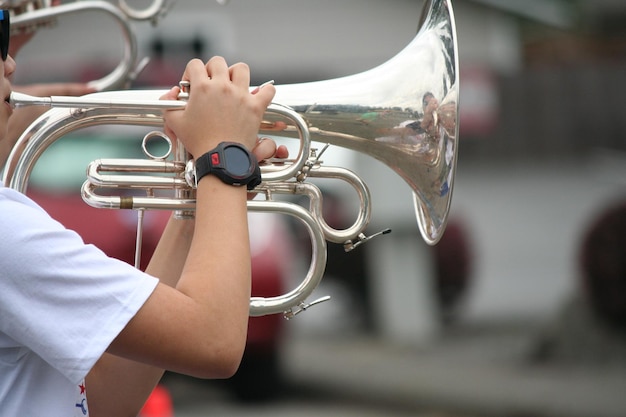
pixel 172 94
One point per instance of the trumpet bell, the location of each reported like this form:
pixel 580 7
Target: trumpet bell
pixel 403 113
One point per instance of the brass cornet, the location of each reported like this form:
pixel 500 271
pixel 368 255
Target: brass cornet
pixel 403 113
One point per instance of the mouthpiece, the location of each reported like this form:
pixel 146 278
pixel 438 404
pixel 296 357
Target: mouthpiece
pixel 17 100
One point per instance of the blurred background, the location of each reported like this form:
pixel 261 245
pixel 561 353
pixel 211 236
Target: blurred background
pixel 520 310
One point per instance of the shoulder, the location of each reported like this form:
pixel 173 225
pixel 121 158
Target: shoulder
pixel 15 204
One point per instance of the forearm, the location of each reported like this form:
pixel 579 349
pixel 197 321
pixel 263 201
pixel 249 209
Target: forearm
pixel 208 309
pixel 128 381
pixel 218 269
pixel 213 270
pixel 169 257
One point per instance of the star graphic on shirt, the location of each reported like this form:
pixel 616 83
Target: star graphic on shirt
pixel 82 388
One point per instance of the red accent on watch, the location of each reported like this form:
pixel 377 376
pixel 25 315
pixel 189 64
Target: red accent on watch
pixel 215 158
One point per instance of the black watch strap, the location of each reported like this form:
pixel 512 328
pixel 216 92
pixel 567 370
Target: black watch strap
pixel 232 163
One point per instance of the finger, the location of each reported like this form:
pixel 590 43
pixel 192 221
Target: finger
pixel 273 126
pixel 216 68
pixel 256 90
pixel 266 94
pixel 240 75
pixel 264 149
pixel 74 89
pixel 282 152
pixel 194 70
pixel 170 133
pixel 56 89
pixel 172 94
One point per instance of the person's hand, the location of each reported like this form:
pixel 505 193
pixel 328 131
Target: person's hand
pixel 220 107
pixel 266 148
pixel 55 89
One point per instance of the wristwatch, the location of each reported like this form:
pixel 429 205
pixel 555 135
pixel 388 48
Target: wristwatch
pixel 232 163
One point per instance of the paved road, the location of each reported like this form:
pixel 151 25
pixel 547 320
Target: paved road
pixel 217 402
pixel 201 398
pixel 474 373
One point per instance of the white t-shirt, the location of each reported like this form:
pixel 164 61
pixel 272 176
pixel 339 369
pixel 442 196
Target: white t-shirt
pixel 61 304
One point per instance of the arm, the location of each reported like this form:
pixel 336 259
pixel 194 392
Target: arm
pixel 195 322
pixel 131 382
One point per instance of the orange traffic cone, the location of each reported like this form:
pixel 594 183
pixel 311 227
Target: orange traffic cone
pixel 159 404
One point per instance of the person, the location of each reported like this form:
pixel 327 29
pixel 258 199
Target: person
pixel 85 334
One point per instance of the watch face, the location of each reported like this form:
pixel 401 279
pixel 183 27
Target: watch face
pixel 237 161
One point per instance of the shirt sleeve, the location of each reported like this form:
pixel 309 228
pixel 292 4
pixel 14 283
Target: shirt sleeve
pixel 59 297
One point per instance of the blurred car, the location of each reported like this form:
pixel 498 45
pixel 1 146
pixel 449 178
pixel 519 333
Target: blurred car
pixel 55 185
